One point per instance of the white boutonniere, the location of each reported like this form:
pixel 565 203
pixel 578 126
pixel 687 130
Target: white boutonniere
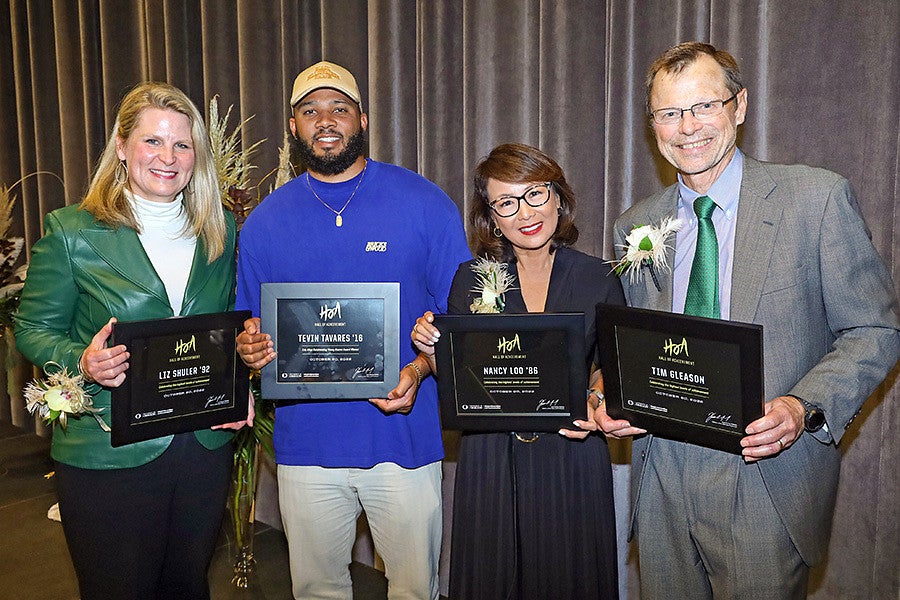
pixel 59 396
pixel 646 247
pixel 492 281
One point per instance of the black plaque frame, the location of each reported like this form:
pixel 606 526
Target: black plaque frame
pixel 453 365
pixel 272 294
pixel 138 415
pixel 727 386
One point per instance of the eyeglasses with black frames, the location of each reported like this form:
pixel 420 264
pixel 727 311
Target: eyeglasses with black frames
pixel 701 110
pixel 535 196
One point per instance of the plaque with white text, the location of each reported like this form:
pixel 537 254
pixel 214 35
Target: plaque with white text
pixel 334 341
pixel 514 372
pixel 686 378
pixel 184 374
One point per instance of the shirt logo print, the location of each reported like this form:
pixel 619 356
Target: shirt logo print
pixel 376 246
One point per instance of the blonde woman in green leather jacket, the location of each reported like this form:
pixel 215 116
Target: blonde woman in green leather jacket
pixel 150 240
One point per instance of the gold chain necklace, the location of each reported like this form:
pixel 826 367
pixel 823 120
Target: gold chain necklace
pixel 338 220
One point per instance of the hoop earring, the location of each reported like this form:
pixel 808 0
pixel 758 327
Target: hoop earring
pixel 190 186
pixel 497 233
pixel 559 210
pixel 121 173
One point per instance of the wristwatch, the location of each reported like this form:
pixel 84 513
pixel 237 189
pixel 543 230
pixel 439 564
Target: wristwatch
pixel 814 417
pixel 598 394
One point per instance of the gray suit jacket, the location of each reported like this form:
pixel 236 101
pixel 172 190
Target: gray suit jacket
pixel 805 269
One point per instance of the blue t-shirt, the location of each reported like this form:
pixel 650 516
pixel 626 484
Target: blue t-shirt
pixel 398 227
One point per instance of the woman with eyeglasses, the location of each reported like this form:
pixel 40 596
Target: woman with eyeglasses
pixel 533 513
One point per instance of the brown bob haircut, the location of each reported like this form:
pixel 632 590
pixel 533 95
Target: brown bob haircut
pixel 517 163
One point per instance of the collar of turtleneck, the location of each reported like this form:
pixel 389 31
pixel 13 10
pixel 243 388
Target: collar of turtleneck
pixel 168 242
pixel 158 215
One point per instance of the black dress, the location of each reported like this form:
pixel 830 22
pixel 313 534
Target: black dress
pixel 535 520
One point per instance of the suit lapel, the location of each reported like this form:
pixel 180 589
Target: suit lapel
pixel 757 223
pixel 121 249
pixel 200 274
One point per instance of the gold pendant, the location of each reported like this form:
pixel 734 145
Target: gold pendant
pixel 338 220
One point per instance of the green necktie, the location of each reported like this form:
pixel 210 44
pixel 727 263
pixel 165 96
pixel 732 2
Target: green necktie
pixel 703 287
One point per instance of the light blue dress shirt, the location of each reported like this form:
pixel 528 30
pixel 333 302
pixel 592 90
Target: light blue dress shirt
pixel 725 192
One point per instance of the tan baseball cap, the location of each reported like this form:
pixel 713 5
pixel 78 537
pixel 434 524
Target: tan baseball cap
pixel 325 74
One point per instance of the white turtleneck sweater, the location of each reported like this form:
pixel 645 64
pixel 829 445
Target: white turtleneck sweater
pixel 170 249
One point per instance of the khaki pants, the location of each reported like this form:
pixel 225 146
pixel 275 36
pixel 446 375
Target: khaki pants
pixel 320 506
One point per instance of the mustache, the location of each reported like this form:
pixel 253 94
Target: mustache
pixel 331 164
pixel 322 132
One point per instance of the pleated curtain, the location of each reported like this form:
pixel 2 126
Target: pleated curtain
pixel 443 81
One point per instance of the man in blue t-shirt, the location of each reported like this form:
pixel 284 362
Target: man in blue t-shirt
pixel 349 219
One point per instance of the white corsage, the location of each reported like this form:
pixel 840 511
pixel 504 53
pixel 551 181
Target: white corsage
pixel 492 281
pixel 646 247
pixel 59 396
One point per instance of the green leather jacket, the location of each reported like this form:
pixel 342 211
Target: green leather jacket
pixel 83 272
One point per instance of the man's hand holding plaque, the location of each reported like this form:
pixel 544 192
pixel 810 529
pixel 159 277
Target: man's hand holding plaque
pixel 776 430
pixel 402 398
pixel 255 347
pixel 783 420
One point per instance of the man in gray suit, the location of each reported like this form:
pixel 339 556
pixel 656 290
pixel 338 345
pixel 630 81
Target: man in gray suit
pixel 794 256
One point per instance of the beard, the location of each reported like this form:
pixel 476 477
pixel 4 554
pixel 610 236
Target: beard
pixel 332 164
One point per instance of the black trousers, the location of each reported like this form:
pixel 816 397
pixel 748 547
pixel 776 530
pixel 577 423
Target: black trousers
pixel 147 532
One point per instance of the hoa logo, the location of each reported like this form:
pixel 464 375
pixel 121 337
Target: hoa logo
pixel 673 349
pixel 505 346
pixel 326 314
pixel 376 246
pixel 182 346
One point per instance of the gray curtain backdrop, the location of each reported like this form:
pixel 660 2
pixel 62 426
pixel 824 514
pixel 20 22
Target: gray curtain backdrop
pixel 444 81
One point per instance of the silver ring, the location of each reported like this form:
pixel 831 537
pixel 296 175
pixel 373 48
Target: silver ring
pixel 780 445
pixel 416 328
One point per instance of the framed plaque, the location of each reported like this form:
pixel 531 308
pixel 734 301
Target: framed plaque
pixel 335 341
pixel 687 378
pixel 184 374
pixel 523 372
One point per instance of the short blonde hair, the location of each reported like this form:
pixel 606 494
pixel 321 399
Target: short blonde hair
pixel 105 198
